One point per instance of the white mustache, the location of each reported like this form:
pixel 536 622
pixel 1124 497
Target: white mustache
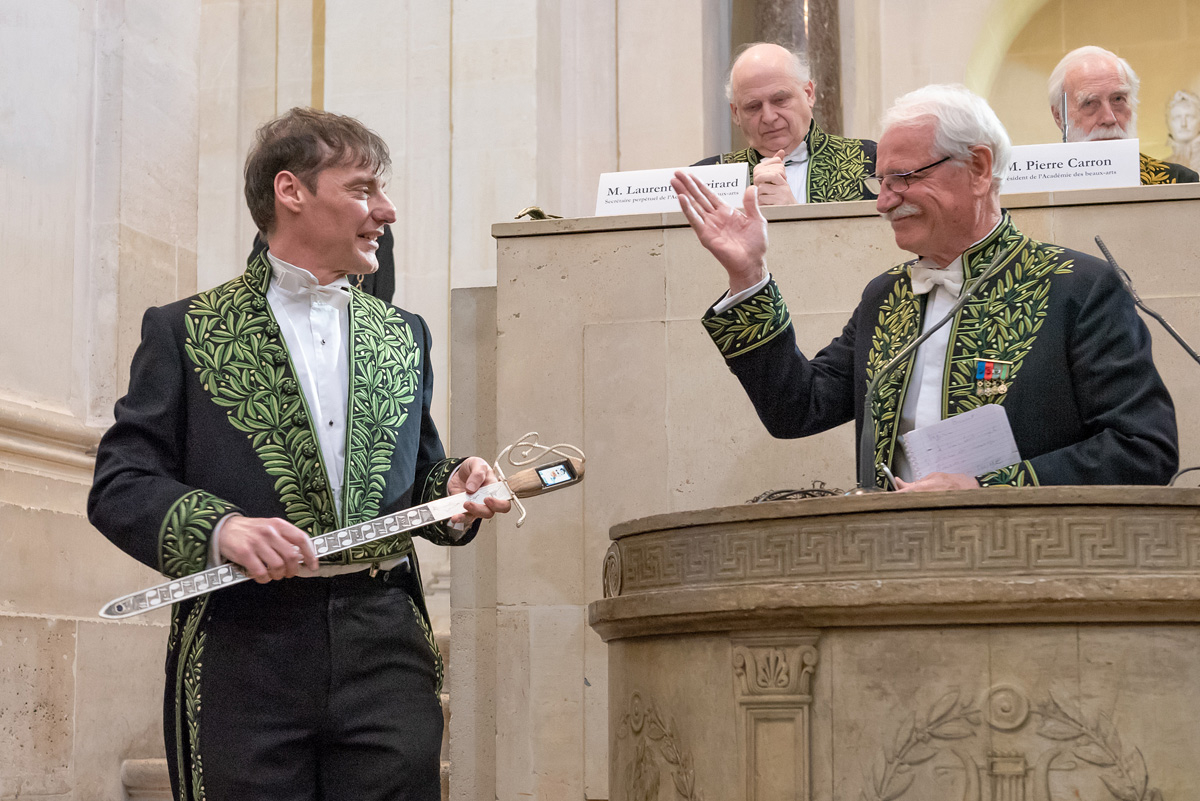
pixel 1106 131
pixel 900 212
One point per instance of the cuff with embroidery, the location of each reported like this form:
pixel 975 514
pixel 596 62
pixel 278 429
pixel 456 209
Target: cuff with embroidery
pixel 443 533
pixel 1020 474
pixel 749 324
pixel 185 532
pixel 729 301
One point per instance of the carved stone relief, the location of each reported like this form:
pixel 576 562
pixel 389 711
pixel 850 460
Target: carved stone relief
pixel 653 749
pixel 1048 751
pixel 612 572
pixel 775 665
pixel 952 544
pixel 773 675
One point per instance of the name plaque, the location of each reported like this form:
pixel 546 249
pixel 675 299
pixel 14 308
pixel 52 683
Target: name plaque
pixel 1073 165
pixel 641 191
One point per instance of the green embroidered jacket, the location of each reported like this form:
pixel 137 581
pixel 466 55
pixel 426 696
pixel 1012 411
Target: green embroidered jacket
pixel 1165 172
pixel 215 422
pixel 836 165
pixel 1085 401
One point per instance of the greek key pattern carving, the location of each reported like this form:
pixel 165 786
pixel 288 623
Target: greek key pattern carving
pixel 966 544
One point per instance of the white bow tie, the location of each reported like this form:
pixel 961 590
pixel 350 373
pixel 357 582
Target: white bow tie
pixel 333 295
pixel 925 278
pixel 299 283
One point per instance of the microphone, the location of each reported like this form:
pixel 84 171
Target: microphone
pixel 1065 119
pixel 866 443
pixel 1137 301
pixel 1125 282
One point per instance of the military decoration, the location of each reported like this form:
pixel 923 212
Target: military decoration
pixel 992 377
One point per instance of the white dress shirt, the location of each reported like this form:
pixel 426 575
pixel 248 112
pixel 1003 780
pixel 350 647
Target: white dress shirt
pixel 795 164
pixel 314 321
pixel 923 401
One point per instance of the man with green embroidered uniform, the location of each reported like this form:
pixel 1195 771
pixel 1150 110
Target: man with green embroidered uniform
pixel 1100 93
pixel 791 160
pixel 278 406
pixel 1051 336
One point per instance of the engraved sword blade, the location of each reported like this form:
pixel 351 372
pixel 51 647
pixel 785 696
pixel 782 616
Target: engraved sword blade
pixel 214 578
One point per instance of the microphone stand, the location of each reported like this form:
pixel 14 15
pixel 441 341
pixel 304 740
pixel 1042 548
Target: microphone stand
pixel 1137 301
pixel 1065 119
pixel 1125 282
pixel 866 443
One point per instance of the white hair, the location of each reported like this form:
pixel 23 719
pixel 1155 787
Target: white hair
pixel 1087 53
pixel 799 63
pixel 962 120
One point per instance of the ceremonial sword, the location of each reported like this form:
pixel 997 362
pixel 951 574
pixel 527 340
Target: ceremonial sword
pixel 564 472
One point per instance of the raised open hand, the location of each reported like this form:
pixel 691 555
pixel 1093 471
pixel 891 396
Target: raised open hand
pixel 738 239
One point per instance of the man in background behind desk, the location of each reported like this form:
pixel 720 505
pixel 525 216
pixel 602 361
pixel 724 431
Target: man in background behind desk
pixel 1082 395
pixel 791 160
pixel 1099 91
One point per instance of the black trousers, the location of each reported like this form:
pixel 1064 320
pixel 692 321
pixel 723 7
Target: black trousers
pixel 319 689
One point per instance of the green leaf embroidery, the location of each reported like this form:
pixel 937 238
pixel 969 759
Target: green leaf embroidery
pixel 185 531
pixel 234 345
pixel 750 324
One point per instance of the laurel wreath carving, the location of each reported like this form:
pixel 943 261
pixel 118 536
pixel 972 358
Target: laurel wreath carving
pixel 947 719
pixel 1124 772
pixel 1093 741
pixel 644 724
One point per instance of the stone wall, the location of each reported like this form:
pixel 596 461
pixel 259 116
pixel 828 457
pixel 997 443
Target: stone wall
pixel 99 221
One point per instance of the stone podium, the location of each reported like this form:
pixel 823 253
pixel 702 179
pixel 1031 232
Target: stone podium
pixel 987 645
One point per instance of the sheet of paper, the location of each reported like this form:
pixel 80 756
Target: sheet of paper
pixel 975 442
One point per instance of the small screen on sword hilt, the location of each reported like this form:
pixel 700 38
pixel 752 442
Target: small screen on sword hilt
pixel 551 475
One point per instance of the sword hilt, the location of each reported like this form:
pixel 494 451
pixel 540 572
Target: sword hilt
pixel 545 478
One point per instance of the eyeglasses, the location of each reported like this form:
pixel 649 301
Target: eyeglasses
pixel 898 181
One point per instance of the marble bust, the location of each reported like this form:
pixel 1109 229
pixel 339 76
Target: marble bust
pixel 1183 121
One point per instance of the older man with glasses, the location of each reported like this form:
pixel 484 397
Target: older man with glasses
pixel 1051 335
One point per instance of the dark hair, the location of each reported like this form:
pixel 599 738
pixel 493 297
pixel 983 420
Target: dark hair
pixel 305 141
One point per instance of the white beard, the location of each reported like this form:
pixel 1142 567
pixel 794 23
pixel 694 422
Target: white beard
pixel 1103 132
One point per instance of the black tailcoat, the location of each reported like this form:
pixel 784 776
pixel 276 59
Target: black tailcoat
pixel 1085 401
pixel 215 422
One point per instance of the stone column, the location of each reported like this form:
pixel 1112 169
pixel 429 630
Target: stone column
pixel 811 26
pixel 773 679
